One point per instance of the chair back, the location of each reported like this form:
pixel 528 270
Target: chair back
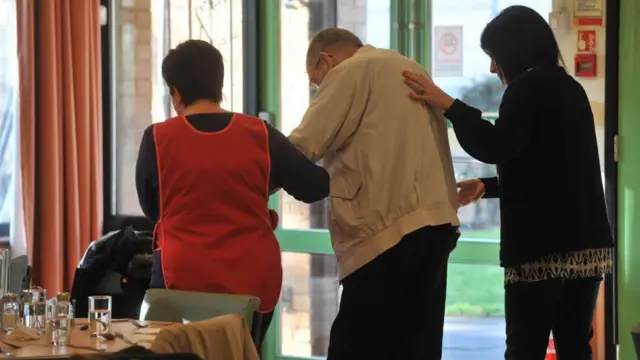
pixel 190 306
pixel 19 274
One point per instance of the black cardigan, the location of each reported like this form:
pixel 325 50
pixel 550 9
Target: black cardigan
pixel 549 180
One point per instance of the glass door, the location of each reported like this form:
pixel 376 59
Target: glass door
pixel 444 37
pixel 310 294
pixel 474 326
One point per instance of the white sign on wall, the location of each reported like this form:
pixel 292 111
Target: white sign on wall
pixel 447 45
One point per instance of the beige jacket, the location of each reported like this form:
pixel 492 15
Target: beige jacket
pixel 223 337
pixel 388 156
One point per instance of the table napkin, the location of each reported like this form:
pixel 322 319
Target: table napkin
pixel 22 334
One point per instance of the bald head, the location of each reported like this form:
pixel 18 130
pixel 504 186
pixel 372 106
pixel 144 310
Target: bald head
pixel 332 40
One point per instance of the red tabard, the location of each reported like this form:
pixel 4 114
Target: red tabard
pixel 215 230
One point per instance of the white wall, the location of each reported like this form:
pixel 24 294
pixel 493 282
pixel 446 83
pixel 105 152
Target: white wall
pixel 567 40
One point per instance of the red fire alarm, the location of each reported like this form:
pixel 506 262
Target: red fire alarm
pixel 585 65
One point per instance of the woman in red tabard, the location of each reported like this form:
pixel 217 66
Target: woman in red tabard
pixel 204 178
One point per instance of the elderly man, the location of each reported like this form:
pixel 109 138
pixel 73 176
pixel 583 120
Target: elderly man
pixel 393 198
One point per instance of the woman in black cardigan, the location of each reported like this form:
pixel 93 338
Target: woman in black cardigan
pixel 556 242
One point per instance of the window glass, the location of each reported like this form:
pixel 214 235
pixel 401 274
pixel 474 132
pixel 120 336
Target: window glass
pixel 146 30
pixel 308 304
pixel 474 322
pixel 8 110
pixel 299 22
pixel 474 326
pixel 461 68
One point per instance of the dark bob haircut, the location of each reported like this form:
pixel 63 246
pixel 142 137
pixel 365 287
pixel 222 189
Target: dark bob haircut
pixel 519 39
pixel 195 68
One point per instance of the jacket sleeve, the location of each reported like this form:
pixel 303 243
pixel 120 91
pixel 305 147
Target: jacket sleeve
pixel 147 176
pixel 293 172
pixel 490 187
pixel 509 135
pixel 334 113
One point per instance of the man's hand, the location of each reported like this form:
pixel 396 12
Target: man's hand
pixel 470 191
pixel 275 219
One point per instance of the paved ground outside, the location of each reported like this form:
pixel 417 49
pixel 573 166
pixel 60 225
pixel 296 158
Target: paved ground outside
pixel 473 338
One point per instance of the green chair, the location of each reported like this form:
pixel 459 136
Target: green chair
pixel 188 306
pixel 19 274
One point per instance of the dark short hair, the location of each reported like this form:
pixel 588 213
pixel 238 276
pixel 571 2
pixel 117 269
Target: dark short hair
pixel 331 37
pixel 519 39
pixel 195 68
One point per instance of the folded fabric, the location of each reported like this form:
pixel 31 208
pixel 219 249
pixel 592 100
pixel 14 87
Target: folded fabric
pixel 22 334
pixel 223 337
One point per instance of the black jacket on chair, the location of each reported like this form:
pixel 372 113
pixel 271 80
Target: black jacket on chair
pixel 549 176
pixel 113 254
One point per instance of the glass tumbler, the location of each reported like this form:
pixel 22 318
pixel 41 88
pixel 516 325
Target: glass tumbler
pixel 10 312
pixel 65 305
pixel 63 321
pixel 99 315
pixel 61 330
pixel 38 298
pixel 27 310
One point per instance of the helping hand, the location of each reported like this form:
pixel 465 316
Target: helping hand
pixel 427 91
pixel 470 191
pixel 275 219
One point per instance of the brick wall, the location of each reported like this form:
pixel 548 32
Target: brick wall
pixel 352 15
pixel 134 78
pixel 140 94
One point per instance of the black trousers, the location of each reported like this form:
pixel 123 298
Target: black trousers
pixel 564 306
pixel 393 307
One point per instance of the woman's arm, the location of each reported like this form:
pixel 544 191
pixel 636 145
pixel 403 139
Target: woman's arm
pixel 505 139
pixel 147 176
pixel 490 187
pixel 292 171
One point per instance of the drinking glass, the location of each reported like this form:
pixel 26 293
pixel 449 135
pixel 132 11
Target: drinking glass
pixel 38 293
pixel 39 299
pixel 63 319
pixel 10 312
pixel 50 314
pixel 33 308
pixel 27 312
pixel 61 327
pixel 99 315
pixel 64 305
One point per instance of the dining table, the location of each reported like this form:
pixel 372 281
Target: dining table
pixel 124 333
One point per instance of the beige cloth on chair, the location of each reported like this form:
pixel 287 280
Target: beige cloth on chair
pixel 221 338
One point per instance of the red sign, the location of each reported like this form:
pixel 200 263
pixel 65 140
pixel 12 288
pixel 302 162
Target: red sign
pixel 589 21
pixel 587 41
pixel 448 43
pixel 585 65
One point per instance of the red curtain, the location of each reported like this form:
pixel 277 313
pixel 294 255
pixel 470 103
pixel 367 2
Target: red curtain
pixel 60 134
